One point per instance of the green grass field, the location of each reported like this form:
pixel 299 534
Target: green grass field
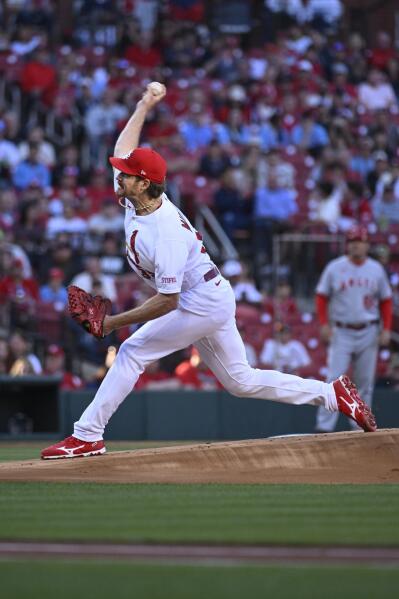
pixel 366 515
pixel 121 580
pixel 300 514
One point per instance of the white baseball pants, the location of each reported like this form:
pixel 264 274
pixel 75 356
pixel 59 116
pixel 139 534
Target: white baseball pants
pixel 220 345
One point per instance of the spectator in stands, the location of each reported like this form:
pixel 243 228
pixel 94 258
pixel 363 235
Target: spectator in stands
pixel 196 128
pixel 282 305
pixel 10 154
pixel 162 128
pixel 31 227
pixel 362 162
pixel 355 207
pixel 9 251
pixel 273 208
pixel 102 119
pixel 23 360
pixel 8 209
pixel 54 292
pixel 155 377
pixel 214 161
pixel 386 204
pixel 92 277
pixel 234 131
pixel 284 353
pixel 98 189
pixel 232 207
pixel 108 220
pixel 144 53
pixel 60 254
pixel 244 286
pixel 376 93
pixel 45 150
pixel 67 222
pixel 275 167
pixel 16 287
pixel 378 174
pixel 112 262
pixel 319 13
pixel 39 78
pixel 68 157
pixel 54 365
pixel 383 51
pixel 31 170
pixel 325 204
pixel 308 134
pixel 195 374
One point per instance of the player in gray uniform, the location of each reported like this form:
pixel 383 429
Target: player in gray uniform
pixel 355 290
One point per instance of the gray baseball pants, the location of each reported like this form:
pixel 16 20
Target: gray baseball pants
pixel 356 348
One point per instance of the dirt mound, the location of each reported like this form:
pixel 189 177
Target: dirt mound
pixel 353 457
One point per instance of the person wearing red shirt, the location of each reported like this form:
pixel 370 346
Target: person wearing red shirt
pixel 195 374
pixel 154 377
pixel 355 205
pixel 98 190
pixel 18 296
pixel 380 56
pixel 143 53
pixel 39 77
pixel 15 287
pixel 54 365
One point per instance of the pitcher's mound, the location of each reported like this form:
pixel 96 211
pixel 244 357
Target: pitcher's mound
pixel 354 457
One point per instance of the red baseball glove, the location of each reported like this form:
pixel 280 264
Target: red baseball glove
pixel 89 311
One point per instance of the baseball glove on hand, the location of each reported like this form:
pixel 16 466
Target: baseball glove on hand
pixel 89 311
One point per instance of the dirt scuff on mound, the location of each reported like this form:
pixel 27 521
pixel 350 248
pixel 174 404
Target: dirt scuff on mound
pixel 351 457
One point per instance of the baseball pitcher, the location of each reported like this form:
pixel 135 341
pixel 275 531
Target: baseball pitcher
pixel 193 304
pixel 355 290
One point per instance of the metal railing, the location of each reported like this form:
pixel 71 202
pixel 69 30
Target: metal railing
pixel 216 241
pixel 305 255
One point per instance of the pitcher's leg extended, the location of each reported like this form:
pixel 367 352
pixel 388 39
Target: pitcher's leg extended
pixel 224 352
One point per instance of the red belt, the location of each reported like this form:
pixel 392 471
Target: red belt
pixel 211 274
pixel 355 326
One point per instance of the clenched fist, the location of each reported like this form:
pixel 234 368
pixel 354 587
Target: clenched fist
pixel 154 93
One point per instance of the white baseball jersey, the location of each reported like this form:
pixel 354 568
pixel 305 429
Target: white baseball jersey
pixel 354 290
pixel 166 251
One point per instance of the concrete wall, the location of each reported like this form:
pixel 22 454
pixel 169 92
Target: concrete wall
pixel 203 416
pixel 188 415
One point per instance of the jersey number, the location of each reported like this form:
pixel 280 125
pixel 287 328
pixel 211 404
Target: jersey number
pixel 187 226
pixel 369 302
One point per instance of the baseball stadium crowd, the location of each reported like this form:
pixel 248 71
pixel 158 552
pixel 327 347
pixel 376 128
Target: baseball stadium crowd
pixel 287 126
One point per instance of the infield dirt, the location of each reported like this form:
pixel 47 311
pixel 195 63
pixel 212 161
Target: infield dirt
pixel 350 457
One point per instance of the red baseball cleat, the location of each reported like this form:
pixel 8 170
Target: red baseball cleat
pixel 350 404
pixel 71 447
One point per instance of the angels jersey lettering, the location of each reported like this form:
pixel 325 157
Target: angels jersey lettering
pixel 355 291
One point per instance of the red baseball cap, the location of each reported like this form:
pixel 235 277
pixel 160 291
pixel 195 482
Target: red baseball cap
pixel 56 273
pixel 357 233
pixel 55 350
pixel 142 162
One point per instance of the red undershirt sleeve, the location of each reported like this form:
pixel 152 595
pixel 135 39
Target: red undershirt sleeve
pixel 322 308
pixel 386 313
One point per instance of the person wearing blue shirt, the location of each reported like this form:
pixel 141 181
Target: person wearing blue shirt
pixel 273 208
pixel 195 130
pixel 54 292
pixel 31 171
pixel 309 134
